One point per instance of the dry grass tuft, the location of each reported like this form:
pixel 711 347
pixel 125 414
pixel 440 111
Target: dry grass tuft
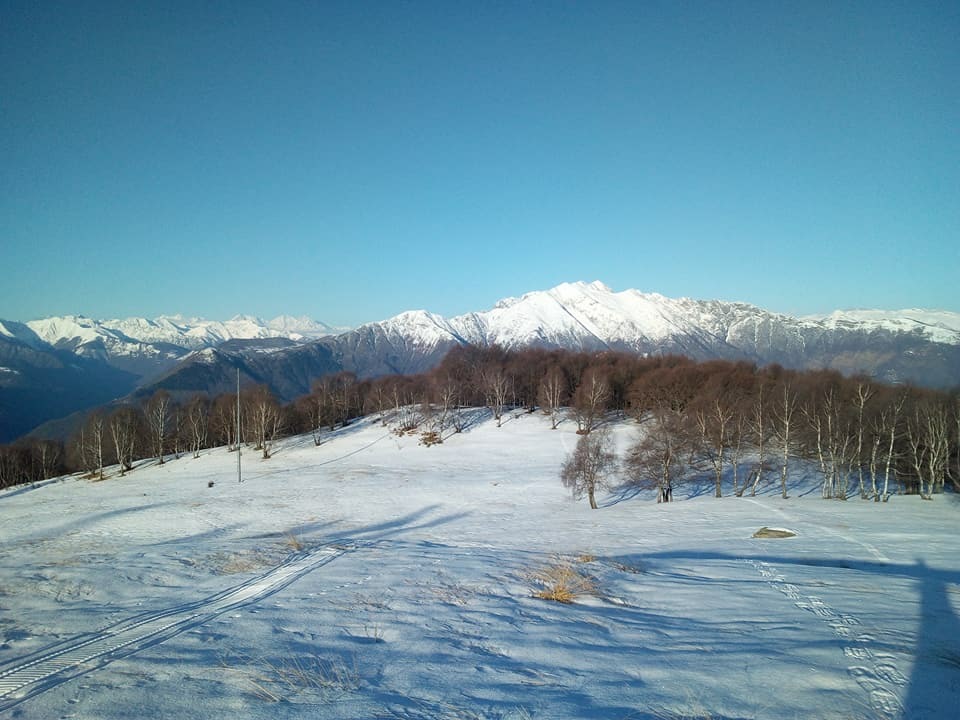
pixel 430 437
pixel 293 542
pixel 277 681
pixel 562 582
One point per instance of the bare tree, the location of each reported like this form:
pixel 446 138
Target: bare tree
pixel 584 472
pixel 886 428
pixel 714 423
pixel 157 412
pixel 198 414
pixel 223 421
pixel 91 444
pixel 760 429
pixel 590 399
pixel 496 387
pixel 953 472
pixel 928 444
pixel 444 394
pixel 737 434
pixel 265 418
pixel 863 394
pixel 49 453
pixel 551 394
pixel 662 454
pixel 784 413
pixel 124 430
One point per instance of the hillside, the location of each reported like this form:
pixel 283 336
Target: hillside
pixel 375 577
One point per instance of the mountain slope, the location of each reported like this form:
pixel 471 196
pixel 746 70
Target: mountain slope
pixel 38 383
pixel 892 346
pixel 56 366
pixel 289 354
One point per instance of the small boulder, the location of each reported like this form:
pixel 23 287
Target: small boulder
pixel 766 532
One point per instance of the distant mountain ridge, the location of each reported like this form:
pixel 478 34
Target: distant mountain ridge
pixel 288 354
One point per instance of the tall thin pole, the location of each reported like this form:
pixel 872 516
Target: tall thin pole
pixel 239 476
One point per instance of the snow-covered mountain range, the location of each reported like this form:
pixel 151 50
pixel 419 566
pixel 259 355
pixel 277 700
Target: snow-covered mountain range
pixel 191 355
pixel 130 336
pixel 592 316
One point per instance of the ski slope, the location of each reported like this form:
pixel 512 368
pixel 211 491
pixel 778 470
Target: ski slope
pixel 373 577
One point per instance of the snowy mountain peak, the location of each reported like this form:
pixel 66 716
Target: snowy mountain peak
pixel 592 316
pixel 128 336
pixel 938 325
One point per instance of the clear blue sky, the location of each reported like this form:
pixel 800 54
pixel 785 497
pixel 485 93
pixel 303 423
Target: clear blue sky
pixel 352 160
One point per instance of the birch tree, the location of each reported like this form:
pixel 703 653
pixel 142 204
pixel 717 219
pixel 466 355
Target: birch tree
pixel 197 420
pixel 91 441
pixel 714 424
pixel 863 394
pixel 551 394
pixel 157 412
pixel 265 418
pixel 760 429
pixel 585 471
pixel 784 412
pixel 124 432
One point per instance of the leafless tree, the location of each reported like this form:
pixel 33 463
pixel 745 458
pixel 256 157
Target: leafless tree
pixel 784 413
pixel 928 444
pixel 197 422
pixel 585 471
pixel 91 444
pixel 223 421
pixel 48 452
pixel 157 412
pixel 125 430
pixel 886 431
pixel 953 470
pixel 863 394
pixel 551 394
pixel 660 458
pixel 265 418
pixel 715 422
pixel 835 442
pixel 496 387
pixel 590 399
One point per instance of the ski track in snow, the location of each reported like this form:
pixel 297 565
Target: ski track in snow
pixel 43 670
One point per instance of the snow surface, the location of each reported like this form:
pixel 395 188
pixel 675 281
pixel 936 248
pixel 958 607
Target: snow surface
pixel 373 577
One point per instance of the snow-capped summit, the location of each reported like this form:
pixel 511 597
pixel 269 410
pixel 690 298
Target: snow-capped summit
pixel 130 335
pixel 287 353
pixel 938 325
pixel 592 316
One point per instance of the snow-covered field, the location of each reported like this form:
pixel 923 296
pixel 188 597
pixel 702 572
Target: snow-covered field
pixel 373 577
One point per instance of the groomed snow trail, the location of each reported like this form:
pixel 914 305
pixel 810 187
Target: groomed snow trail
pixel 34 674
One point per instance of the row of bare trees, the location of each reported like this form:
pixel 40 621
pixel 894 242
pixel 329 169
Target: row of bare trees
pixel 156 428
pixel 745 426
pixel 736 423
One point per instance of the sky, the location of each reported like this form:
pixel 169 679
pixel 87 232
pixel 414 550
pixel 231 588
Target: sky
pixel 349 161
